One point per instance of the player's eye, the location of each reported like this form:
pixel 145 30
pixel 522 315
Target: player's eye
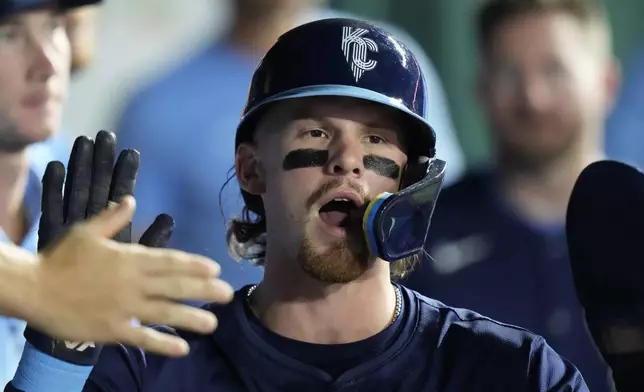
pixel 9 31
pixel 375 139
pixel 316 133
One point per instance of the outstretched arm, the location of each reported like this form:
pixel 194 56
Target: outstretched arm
pixel 90 290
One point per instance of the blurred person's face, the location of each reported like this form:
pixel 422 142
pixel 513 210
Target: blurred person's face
pixel 308 153
pixel 547 83
pixel 34 74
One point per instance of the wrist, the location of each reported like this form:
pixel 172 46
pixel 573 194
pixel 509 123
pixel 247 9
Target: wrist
pixel 41 372
pixel 73 352
pixel 34 304
pixel 41 318
pixel 18 282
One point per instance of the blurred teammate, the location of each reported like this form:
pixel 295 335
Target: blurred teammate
pixel 547 78
pixel 321 141
pixel 191 113
pixel 34 75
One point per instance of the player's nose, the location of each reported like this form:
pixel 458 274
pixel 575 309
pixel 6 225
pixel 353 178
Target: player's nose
pixel 41 66
pixel 346 157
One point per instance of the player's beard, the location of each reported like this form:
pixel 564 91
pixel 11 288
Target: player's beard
pixel 533 155
pixel 346 259
pixel 344 262
pixel 11 141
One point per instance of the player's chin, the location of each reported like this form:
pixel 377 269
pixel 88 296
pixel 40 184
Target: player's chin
pixel 37 130
pixel 339 262
pixel 336 270
pixel 538 154
pixel 533 150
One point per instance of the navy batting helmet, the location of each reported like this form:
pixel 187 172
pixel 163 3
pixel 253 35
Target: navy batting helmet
pixel 8 7
pixel 352 58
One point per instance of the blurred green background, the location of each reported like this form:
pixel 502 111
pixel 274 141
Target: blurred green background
pixel 445 28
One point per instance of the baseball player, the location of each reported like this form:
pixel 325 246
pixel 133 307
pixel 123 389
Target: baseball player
pixel 34 72
pixel 336 164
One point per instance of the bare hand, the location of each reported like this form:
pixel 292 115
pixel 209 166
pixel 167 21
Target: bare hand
pixel 91 288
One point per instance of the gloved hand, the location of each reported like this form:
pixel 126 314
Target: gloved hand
pixel 605 230
pixel 93 181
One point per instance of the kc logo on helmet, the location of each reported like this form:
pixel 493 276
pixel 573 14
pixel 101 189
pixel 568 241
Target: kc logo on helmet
pixel 355 48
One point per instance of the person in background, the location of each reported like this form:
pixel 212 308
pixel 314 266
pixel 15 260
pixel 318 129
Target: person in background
pixel 547 78
pixel 184 123
pixel 35 59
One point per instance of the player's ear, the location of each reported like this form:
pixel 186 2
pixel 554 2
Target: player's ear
pixel 249 169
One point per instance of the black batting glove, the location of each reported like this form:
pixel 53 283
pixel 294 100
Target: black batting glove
pixel 93 182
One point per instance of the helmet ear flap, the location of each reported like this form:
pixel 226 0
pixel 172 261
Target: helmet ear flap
pixel 414 171
pixel 253 203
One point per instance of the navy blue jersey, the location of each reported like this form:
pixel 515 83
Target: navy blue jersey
pixel 487 259
pixel 431 348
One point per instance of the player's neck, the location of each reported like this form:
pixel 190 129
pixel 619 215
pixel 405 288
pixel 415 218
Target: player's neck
pixel 304 309
pixel 13 181
pixel 540 193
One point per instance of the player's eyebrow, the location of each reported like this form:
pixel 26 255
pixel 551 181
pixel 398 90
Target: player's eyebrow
pixel 10 20
pixel 380 122
pixel 17 19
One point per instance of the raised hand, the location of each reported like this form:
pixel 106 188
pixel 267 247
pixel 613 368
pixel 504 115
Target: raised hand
pixel 104 287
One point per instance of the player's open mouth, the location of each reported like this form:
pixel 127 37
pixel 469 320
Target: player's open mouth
pixel 339 212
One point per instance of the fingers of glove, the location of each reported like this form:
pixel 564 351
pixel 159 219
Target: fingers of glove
pixel 112 220
pixel 155 342
pixel 104 150
pixel 124 177
pixel 159 233
pixel 189 288
pixel 79 179
pixel 171 262
pixel 51 221
pixel 179 316
pixel 123 180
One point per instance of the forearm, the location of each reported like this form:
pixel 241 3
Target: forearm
pixel 17 281
pixel 37 371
